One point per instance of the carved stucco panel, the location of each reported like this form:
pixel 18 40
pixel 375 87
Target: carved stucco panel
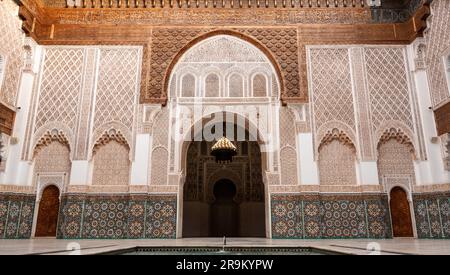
pixel 437 39
pixel 11 50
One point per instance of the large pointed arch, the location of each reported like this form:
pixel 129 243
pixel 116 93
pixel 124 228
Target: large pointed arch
pixel 254 42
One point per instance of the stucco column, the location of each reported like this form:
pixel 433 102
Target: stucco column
pixel 367 172
pixel 80 172
pixel 18 171
pixel 309 172
pixel 140 165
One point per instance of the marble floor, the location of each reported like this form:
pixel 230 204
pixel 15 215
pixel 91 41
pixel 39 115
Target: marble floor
pixel 357 247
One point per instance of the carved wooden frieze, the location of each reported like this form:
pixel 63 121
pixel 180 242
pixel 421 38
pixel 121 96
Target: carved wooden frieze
pixel 442 116
pixel 211 17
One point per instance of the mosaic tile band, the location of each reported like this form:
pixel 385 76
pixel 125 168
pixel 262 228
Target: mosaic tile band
pixel 293 216
pixel 117 217
pixel 16 216
pixel 330 216
pixel 432 213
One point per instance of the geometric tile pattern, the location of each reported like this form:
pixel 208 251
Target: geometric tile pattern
pixel 293 216
pixel 432 212
pixel 330 216
pixel 16 216
pixel 286 216
pixel 117 217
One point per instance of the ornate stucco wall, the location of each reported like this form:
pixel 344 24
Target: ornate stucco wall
pixel 110 126
pixel 11 51
pixel 437 40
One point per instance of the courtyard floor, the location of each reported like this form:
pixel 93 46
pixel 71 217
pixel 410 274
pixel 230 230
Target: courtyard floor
pixel 358 247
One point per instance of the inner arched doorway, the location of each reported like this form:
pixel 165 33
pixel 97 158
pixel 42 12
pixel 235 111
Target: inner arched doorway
pixel 400 213
pixel 224 199
pixel 47 219
pixel 224 220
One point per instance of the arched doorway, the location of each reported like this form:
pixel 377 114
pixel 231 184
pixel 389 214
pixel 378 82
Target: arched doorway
pixel 224 199
pixel 48 212
pixel 224 210
pixel 400 213
pixel 225 74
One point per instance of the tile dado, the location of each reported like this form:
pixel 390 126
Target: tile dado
pixel 330 216
pixel 117 216
pixel 16 215
pixel 432 212
pixel 325 216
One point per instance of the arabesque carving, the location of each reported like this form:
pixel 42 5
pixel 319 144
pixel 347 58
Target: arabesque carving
pixel 339 135
pixel 49 137
pixel 398 135
pixel 109 135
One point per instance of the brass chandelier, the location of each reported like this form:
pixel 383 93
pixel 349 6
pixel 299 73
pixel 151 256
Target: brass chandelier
pixel 223 150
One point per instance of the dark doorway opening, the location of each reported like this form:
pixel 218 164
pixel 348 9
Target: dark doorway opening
pixel 47 220
pixel 224 199
pixel 401 213
pixel 224 210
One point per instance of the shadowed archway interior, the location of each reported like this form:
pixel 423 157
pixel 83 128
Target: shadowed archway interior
pixel 224 199
pixel 224 220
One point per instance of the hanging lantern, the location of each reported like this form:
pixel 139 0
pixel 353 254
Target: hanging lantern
pixel 224 150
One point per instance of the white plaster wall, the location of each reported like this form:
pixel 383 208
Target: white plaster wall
pixel 80 172
pixel 309 174
pixel 139 167
pixel 367 172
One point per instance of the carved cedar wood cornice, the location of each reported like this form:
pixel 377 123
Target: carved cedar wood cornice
pixel 34 17
pixel 47 23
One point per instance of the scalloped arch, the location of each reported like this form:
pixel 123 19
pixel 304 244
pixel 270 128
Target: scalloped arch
pixel 326 131
pixel 258 45
pixel 119 128
pixel 339 135
pixel 49 136
pixel 399 136
pixel 395 128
